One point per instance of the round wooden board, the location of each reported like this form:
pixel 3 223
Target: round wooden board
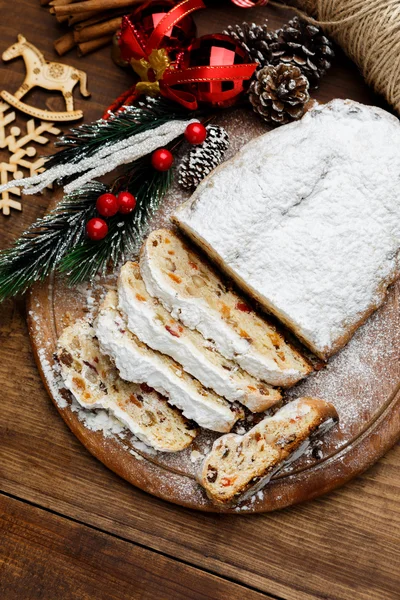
pixel 362 381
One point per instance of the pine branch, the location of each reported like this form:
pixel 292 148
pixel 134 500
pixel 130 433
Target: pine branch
pixel 58 240
pixel 41 247
pixel 124 232
pixel 82 142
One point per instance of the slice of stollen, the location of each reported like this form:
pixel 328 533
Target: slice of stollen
pixel 138 363
pixel 239 465
pixel 95 383
pixel 193 292
pixel 154 326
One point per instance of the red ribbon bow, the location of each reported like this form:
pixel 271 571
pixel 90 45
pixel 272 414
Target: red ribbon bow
pixel 250 3
pixel 133 46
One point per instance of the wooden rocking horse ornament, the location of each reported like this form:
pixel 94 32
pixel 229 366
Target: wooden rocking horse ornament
pixel 47 75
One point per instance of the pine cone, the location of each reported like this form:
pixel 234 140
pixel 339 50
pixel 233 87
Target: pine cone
pixel 305 46
pixel 279 94
pixel 201 160
pixel 261 45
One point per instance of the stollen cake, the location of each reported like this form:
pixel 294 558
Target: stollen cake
pixel 138 363
pixel 239 465
pixel 154 325
pixel 193 292
pixel 95 383
pixel 306 218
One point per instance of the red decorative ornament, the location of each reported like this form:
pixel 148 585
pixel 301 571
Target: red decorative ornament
pixel 126 203
pixel 107 205
pixel 225 66
pixel 212 70
pixel 162 159
pixel 96 229
pixel 250 3
pixel 147 21
pixel 195 133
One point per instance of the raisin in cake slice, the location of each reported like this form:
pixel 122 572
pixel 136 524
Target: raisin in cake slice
pixel 154 326
pixel 193 292
pixel 95 383
pixel 239 465
pixel 306 218
pixel 138 363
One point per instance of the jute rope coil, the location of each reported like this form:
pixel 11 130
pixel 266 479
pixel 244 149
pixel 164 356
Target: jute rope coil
pixel 369 33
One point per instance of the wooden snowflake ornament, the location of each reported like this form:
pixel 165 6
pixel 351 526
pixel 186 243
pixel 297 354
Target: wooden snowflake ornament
pixel 21 155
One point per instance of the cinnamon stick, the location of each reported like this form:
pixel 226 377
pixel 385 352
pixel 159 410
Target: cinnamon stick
pixel 87 47
pixel 82 20
pixel 78 7
pixel 96 31
pixel 61 2
pixel 65 43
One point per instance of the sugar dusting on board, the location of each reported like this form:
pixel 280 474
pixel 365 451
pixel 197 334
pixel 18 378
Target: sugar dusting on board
pixel 368 366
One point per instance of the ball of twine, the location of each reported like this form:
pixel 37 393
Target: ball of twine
pixel 369 33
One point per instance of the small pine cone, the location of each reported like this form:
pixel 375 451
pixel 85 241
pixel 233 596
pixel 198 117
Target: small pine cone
pixel 305 46
pixel 261 45
pixel 279 94
pixel 202 159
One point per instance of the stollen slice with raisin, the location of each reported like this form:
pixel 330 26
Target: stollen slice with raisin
pixel 95 383
pixel 240 465
pixel 192 291
pixel 154 326
pixel 138 363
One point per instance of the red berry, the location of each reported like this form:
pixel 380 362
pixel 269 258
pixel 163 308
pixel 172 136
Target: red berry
pixel 162 159
pixel 126 202
pixel 195 133
pixel 107 205
pixel 96 229
pixel 242 306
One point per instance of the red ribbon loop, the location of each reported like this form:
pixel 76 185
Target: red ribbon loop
pixel 171 18
pixel 130 42
pixel 207 73
pixel 134 47
pixel 250 3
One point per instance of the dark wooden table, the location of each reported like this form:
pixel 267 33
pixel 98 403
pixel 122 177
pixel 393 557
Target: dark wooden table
pixel 71 529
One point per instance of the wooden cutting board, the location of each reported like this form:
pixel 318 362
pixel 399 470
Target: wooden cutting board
pixel 362 381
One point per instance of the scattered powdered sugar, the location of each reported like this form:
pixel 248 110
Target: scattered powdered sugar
pixel 52 375
pixel 141 446
pixel 101 420
pixel 361 378
pixel 135 454
pixel 195 456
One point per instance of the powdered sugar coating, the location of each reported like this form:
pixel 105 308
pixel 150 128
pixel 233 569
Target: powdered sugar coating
pixel 311 223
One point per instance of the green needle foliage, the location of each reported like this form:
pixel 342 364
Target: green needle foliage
pixel 40 248
pixel 82 142
pixel 125 232
pixel 58 240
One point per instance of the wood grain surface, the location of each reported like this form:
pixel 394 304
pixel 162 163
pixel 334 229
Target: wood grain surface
pixel 43 552
pixel 343 546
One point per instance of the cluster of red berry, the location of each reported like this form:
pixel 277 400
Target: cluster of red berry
pixel 108 205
